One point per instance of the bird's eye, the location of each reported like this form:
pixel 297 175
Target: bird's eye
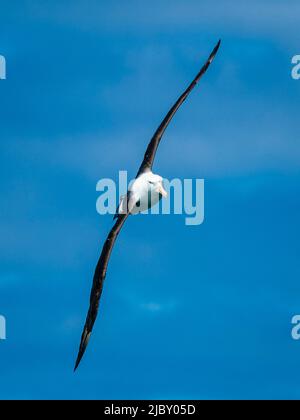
pixel 150 182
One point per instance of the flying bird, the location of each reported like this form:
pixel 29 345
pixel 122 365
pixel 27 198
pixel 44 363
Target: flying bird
pixel 146 190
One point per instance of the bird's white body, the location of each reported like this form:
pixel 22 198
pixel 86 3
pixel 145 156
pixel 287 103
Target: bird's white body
pixel 143 193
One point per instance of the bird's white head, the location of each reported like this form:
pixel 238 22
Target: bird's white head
pixel 156 184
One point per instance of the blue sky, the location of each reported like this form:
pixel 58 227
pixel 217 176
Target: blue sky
pixel 187 312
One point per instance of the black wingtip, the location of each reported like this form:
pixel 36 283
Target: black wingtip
pixel 83 345
pixel 215 50
pixel 78 360
pixel 218 45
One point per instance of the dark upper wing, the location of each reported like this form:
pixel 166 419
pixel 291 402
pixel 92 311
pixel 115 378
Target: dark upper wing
pixel 152 147
pixel 98 281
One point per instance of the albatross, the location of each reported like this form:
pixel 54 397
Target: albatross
pixel 146 190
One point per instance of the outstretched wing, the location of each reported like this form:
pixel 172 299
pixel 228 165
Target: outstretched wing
pixel 98 281
pixel 152 147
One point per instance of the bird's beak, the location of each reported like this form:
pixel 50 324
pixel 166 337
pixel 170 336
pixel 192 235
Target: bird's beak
pixel 162 191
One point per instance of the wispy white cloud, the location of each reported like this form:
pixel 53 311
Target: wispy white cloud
pixel 226 128
pixel 70 324
pixel 152 307
pixel 156 307
pixel 223 149
pixel 260 16
pixel 56 243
